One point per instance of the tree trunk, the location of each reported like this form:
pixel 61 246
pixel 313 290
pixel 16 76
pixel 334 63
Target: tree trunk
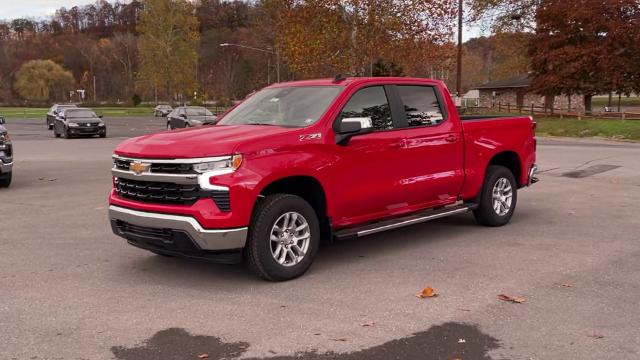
pixel 587 104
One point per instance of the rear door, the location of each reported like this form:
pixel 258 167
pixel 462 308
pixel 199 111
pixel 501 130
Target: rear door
pixel 435 145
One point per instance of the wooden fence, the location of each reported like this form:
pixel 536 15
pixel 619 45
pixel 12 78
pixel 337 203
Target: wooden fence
pixel 556 112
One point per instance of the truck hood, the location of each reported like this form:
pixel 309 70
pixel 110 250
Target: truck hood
pixel 204 141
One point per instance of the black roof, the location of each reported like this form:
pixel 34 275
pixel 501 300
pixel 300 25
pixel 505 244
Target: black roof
pixel 518 81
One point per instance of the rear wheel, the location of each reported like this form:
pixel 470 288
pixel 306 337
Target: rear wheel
pixel 283 237
pixel 498 198
pixel 5 179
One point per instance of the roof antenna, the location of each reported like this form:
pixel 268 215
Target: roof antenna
pixel 339 78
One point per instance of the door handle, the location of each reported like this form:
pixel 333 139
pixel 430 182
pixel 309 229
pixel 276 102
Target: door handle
pixel 451 138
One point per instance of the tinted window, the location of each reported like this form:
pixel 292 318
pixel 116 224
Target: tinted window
pixel 421 105
pixel 195 111
pixel 370 102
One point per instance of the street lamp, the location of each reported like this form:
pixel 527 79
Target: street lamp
pixel 268 51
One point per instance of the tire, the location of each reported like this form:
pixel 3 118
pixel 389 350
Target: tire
pixel 496 177
pixel 103 135
pixel 261 250
pixel 5 179
pixel 65 133
pixel 55 132
pixel 169 126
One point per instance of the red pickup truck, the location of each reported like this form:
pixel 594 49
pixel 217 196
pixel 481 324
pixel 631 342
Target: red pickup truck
pixel 326 159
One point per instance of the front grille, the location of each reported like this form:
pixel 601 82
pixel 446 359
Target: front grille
pixel 169 193
pixel 123 164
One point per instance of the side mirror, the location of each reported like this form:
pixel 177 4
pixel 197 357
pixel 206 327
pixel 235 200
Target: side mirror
pixel 353 126
pixel 100 116
pixel 2 121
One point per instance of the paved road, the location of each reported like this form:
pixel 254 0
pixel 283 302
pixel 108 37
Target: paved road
pixel 69 289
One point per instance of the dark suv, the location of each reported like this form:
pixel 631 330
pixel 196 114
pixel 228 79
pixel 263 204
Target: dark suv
pixel 6 156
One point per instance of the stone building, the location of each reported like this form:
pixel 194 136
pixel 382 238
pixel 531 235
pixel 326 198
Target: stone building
pixel 516 92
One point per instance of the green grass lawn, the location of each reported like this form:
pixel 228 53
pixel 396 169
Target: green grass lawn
pixel 599 102
pixel 24 112
pixel 612 129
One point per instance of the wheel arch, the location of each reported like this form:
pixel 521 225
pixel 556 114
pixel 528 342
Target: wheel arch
pixel 307 187
pixel 510 160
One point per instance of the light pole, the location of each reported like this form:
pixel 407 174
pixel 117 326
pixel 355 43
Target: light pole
pixel 261 50
pixel 459 64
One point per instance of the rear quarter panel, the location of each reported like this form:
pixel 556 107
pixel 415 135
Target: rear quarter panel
pixel 485 138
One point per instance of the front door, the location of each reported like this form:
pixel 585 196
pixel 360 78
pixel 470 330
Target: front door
pixel 368 181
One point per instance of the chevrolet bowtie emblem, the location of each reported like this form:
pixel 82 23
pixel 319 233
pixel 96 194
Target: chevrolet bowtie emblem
pixel 138 168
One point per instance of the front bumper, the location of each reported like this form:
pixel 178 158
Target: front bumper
pixel 173 233
pixel 94 130
pixel 5 167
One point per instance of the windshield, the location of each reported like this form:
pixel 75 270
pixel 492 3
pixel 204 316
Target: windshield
pixel 289 106
pixel 198 112
pixel 80 114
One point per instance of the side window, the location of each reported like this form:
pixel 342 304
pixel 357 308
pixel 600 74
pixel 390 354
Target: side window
pixel 421 105
pixel 370 102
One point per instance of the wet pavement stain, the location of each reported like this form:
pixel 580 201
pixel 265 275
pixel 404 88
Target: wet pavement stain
pixel 178 344
pixel 443 342
pixel 591 170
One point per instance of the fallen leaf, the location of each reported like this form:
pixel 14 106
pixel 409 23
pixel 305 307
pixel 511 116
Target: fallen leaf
pixel 462 309
pixel 203 356
pixel 596 335
pixel 513 299
pixel 566 285
pixel 427 292
pixel 339 339
pixel 368 323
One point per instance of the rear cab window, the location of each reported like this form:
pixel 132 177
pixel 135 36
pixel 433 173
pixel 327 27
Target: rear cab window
pixel 422 105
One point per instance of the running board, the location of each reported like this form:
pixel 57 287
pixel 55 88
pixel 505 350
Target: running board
pixel 414 218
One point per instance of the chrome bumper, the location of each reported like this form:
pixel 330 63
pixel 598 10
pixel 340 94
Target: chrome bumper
pixel 532 172
pixel 206 239
pixel 5 167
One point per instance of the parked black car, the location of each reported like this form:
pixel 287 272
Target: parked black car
pixel 6 155
pixel 189 116
pixel 53 112
pixel 79 122
pixel 162 110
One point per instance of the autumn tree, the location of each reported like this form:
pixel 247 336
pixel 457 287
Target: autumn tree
pixel 168 47
pixel 43 80
pixel 586 47
pixel 325 37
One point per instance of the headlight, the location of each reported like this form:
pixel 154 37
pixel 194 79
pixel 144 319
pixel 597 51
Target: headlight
pixel 101 124
pixel 227 164
pixel 72 124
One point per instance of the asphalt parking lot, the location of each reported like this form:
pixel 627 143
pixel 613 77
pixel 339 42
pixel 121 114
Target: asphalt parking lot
pixel 69 289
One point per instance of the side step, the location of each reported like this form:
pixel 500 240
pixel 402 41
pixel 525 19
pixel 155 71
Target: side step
pixel 414 218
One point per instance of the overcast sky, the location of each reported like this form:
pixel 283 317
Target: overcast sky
pixel 11 9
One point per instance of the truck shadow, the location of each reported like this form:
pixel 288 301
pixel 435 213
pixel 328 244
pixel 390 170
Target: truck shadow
pixel 447 341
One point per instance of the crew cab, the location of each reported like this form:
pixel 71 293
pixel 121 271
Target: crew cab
pixel 325 159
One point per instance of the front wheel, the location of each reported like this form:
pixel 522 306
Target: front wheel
pixel 498 198
pixel 283 237
pixel 169 127
pixel 5 179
